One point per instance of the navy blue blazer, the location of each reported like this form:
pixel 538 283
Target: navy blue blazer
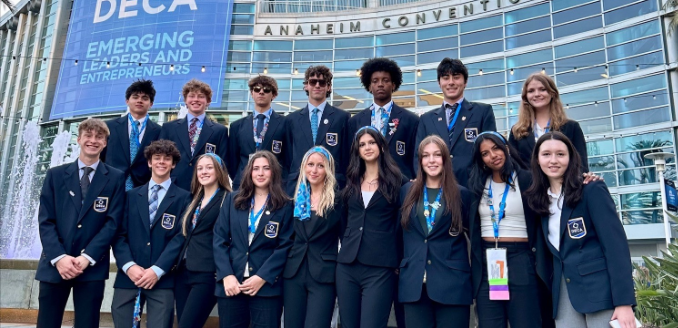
pixel 442 256
pixel 320 248
pixel 267 253
pixel 148 245
pixel 594 255
pixel 543 260
pixel 473 119
pixel 70 226
pixel 213 136
pixel 332 135
pixel 571 129
pixel 118 149
pixel 241 144
pixel 402 143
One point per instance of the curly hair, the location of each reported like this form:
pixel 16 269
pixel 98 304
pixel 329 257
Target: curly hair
pixel 143 87
pixel 264 81
pixel 195 85
pixel 381 64
pixel 162 147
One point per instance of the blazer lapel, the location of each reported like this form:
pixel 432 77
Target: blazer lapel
pixel 142 207
pixel 322 127
pixel 273 124
pixel 530 139
pixel 244 220
pixel 564 216
pixel 72 182
pixel 262 223
pixel 123 137
pixel 414 222
pixel 166 202
pixel 440 122
pixel 365 119
pixel 306 127
pixel 377 194
pixel 205 134
pixel 395 114
pixel 462 120
pixel 545 229
pixel 182 131
pixel 99 181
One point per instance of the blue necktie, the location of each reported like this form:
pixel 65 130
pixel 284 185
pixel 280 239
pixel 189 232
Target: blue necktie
pixel 133 150
pixel 451 109
pixel 314 124
pixel 384 121
pixel 153 203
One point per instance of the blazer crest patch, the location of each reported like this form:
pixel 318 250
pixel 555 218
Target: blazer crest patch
pixel 101 204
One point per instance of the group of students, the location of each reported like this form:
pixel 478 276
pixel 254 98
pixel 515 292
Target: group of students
pixel 322 206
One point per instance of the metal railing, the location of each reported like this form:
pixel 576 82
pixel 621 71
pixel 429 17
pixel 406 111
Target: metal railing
pixel 317 6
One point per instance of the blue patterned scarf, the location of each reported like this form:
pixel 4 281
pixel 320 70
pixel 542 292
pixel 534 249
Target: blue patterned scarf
pixel 302 201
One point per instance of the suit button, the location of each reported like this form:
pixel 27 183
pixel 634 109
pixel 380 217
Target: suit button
pixel 79 226
pixel 250 268
pixel 534 249
pixel 247 253
pixel 451 156
pixel 149 244
pixel 191 164
pixel 567 280
pixel 429 262
pixel 361 229
pixel 425 241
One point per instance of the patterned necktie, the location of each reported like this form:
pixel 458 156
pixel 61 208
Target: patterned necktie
pixel 260 126
pixel 384 120
pixel 153 203
pixel 84 181
pixel 133 150
pixel 192 130
pixel 314 124
pixel 451 110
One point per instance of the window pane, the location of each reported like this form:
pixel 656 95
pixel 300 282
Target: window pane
pixel 272 56
pixel 313 55
pixel 313 44
pixel 591 59
pixel 638 9
pixel 529 58
pixel 638 85
pixel 528 26
pixel 272 45
pixel 642 217
pixel 578 27
pixel 436 32
pixel 528 39
pixel 489 66
pixel 242 19
pixel 634 48
pixel 354 53
pixel 602 163
pixel 435 56
pixel 240 45
pixel 238 67
pixel 596 126
pixel 631 64
pixel 244 8
pixel 404 61
pixel 585 96
pixel 634 32
pixel 272 68
pixel 611 4
pixel 644 141
pixel 354 42
pixel 641 118
pixel 589 111
pixel 401 49
pixel 238 56
pixel 581 76
pixel 437 44
pixel 525 13
pixel 485 93
pixel 349 65
pixel 395 38
pixel 627 104
pixel 600 147
pixel 576 13
pixel 481 36
pixel 579 47
pixel 482 49
pixel 562 4
pixel 523 72
pixel 485 80
pixel 242 30
pixel 478 24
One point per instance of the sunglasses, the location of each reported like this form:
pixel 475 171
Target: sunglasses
pixel 258 89
pixel 313 82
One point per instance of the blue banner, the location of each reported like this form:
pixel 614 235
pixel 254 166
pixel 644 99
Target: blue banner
pixel 112 43
pixel 671 196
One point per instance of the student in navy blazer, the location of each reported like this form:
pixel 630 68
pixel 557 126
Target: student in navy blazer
pixel 139 98
pixel 81 206
pixel 370 249
pixel 592 275
pixel 194 286
pixel 143 249
pixel 471 118
pixel 207 136
pixel 382 77
pixel 541 110
pixel 309 290
pixel 251 239
pixel 263 129
pixel 331 133
pixel 434 282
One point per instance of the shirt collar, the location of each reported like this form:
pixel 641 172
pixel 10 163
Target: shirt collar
pixel 321 107
pixel 165 184
pixel 551 194
pixel 190 117
pixel 266 113
pixel 141 121
pixel 387 107
pixel 458 102
pixel 81 164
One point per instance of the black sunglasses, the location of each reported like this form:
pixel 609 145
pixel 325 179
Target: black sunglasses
pixel 258 89
pixel 313 82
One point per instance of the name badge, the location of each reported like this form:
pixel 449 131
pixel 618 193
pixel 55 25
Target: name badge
pixel 576 228
pixel 271 230
pixel 277 147
pixel 470 134
pixel 210 148
pixel 331 139
pixel 101 204
pixel 497 274
pixel 168 221
pixel 400 148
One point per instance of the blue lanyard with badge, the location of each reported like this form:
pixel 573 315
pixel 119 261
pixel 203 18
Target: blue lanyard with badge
pixel 196 214
pixel 431 215
pixel 254 217
pixel 259 139
pixel 143 127
pixel 450 126
pixel 497 264
pixel 546 130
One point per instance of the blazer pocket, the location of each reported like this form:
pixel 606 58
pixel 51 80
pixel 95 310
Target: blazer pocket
pixel 458 265
pixel 329 257
pixel 595 280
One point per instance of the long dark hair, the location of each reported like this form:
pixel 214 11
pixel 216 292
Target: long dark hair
pixel 277 198
pixel 390 178
pixel 480 172
pixel 537 196
pixel 449 185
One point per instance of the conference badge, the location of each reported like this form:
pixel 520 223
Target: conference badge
pixel 101 204
pixel 576 228
pixel 168 221
pixel 331 139
pixel 271 230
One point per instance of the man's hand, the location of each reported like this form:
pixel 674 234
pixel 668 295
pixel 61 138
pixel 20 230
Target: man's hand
pixel 589 177
pixel 231 286
pixel 148 280
pixel 135 273
pixel 83 262
pixel 68 267
pixel 252 285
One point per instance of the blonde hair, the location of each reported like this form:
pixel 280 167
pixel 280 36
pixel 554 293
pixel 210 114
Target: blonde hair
pixel 198 190
pixel 526 114
pixel 327 196
pixel 94 124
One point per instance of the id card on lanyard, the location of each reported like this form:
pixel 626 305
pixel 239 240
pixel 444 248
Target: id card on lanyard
pixel 497 264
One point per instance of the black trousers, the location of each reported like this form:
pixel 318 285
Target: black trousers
pixel 243 311
pixel 523 308
pixel 308 303
pixel 194 295
pixel 159 303
pixel 426 313
pixel 365 295
pixel 87 298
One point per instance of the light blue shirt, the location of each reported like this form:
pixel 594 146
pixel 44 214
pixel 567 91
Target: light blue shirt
pixel 141 123
pixel 190 117
pixel 320 108
pixel 377 114
pixel 267 113
pixel 449 117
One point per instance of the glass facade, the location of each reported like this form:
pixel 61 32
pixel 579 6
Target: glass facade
pixel 611 60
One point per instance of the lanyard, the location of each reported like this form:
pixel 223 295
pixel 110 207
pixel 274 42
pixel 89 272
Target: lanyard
pixel 502 208
pixel 194 141
pixel 546 130
pixel 253 217
pixel 143 127
pixel 385 114
pixel 430 216
pixel 258 139
pixel 450 127
pixel 196 214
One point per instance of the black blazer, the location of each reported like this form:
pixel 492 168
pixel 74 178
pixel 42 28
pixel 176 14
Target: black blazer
pixel 571 129
pixel 371 235
pixel 68 225
pixel 332 135
pixel 267 253
pixel 595 259
pixel 147 245
pixel 197 245
pixel 534 236
pixel 241 144
pixel 402 143
pixel 473 119
pixel 118 148
pixel 212 133
pixel 320 248
pixel 442 256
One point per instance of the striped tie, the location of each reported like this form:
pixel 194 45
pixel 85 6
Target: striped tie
pixel 450 109
pixel 153 203
pixel 133 150
pixel 314 124
pixel 192 131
